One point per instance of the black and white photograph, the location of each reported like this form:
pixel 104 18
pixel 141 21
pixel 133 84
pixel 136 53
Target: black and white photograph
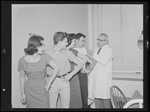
pixel 81 56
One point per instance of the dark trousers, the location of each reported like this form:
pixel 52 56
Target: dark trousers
pixel 83 81
pixel 102 103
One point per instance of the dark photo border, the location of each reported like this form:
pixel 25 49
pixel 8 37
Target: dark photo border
pixel 6 63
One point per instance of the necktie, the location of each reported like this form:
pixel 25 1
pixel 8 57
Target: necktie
pixel 99 50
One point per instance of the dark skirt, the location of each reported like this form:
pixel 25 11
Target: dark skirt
pixel 36 95
pixel 75 94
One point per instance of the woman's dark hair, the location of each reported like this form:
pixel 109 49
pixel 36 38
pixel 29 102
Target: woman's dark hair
pixel 33 43
pixel 71 36
pixel 40 37
pixel 59 36
pixel 79 35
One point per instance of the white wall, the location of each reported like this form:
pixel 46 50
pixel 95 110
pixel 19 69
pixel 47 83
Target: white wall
pixel 44 20
pixel 123 24
pixel 129 87
pixel 128 82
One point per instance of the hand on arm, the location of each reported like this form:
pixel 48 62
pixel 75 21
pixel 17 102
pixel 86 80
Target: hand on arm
pixel 93 64
pixel 55 72
pixel 85 60
pixel 22 84
pixel 85 70
pixel 90 68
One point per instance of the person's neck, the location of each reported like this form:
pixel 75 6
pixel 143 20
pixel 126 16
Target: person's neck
pixel 57 48
pixel 34 55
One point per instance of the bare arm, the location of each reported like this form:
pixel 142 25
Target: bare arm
pixel 55 72
pixel 22 80
pixel 22 84
pixel 79 66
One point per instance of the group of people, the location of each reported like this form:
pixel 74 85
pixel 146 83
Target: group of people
pixel 67 71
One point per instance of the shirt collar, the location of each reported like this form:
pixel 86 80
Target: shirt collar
pixel 104 47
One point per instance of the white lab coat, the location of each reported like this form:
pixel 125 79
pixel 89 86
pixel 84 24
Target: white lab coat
pixel 100 79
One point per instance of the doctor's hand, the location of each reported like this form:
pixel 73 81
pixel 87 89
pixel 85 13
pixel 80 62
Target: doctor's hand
pixel 84 70
pixel 87 71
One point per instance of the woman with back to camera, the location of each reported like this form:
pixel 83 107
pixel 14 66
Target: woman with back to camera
pixel 34 89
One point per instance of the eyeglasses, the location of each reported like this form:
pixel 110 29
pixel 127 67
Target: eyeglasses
pixel 101 39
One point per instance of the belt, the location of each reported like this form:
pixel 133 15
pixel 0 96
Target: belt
pixel 61 76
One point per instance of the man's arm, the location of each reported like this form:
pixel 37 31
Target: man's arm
pixel 104 58
pixel 73 59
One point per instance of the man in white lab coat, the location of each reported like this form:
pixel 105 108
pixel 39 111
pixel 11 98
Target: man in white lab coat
pixel 101 75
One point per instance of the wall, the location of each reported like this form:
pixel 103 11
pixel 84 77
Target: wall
pixel 44 20
pixel 128 82
pixel 123 24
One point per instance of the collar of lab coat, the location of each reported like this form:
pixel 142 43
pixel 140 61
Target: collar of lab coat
pixel 104 47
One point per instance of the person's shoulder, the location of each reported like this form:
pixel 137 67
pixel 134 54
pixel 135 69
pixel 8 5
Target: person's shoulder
pixel 21 59
pixel 109 47
pixel 68 52
pixel 75 52
pixel 85 49
pixel 45 54
pixel 49 51
pixel 72 49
